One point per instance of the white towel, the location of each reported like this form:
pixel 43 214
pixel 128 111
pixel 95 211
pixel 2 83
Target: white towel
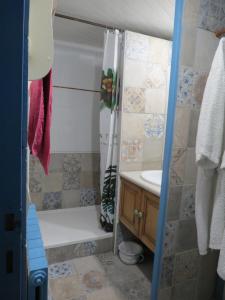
pixel 218 215
pixel 210 133
pixel 210 204
pixel 203 207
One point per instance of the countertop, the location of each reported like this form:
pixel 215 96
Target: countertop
pixel 135 177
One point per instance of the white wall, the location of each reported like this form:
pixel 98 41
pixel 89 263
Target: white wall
pixel 75 120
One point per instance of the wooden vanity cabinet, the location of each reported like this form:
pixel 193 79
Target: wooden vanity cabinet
pixel 148 224
pixel 130 206
pixel 139 212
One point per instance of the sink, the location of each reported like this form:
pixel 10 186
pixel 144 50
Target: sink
pixel 152 176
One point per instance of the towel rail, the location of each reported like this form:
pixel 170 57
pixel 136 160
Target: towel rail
pixel 75 88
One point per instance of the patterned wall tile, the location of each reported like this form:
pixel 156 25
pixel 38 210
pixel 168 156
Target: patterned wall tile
pixel 35 178
pixel 136 46
pixel 156 76
pixel 52 200
pixel 90 180
pixel 181 128
pixel 60 270
pixel 88 197
pixel 174 201
pixel 70 198
pixel 35 184
pixel 56 162
pixel 134 100
pixel 186 235
pixel 65 253
pixel 167 272
pixel 90 162
pixel 185 84
pixel 211 15
pixel 131 150
pixel 53 182
pixel 71 171
pixel 170 238
pixel 154 126
pixel 131 166
pixel 178 166
pixel 165 294
pixel 152 165
pixel 191 87
pixel 155 100
pixel 134 73
pixel 153 150
pixel 85 249
pixel 160 51
pixel 133 126
pixel 144 100
pixel 186 266
pixel 187 210
pixel 185 290
pixel 35 166
pixel 190 173
pixel 61 188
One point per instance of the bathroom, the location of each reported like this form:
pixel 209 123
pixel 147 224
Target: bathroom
pixel 116 209
pixel 68 198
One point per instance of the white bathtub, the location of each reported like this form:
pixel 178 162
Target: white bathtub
pixel 69 226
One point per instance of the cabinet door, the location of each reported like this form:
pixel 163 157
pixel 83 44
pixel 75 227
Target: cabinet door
pixel 149 209
pixel 130 202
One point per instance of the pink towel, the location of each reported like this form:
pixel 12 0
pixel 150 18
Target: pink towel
pixel 40 119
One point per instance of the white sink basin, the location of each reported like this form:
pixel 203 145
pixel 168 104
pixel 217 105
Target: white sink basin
pixel 152 176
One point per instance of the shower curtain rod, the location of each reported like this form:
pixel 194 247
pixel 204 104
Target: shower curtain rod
pixel 60 15
pixel 74 88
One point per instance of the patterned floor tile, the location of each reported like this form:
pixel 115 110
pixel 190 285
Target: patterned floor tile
pixel 63 269
pixel 98 277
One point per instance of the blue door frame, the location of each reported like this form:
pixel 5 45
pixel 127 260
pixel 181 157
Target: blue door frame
pixel 168 147
pixel 13 128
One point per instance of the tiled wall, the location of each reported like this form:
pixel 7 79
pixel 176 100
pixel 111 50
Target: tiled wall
pixel 186 275
pixel 144 101
pixel 73 181
pixel 212 14
pixel 63 253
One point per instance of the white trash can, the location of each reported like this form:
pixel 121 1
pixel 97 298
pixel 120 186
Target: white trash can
pixel 131 253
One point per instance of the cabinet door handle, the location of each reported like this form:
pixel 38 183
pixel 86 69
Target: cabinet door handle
pixel 136 212
pixel 140 215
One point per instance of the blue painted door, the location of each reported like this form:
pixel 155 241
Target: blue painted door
pixel 13 140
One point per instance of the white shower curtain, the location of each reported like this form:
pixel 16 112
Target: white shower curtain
pixel 108 127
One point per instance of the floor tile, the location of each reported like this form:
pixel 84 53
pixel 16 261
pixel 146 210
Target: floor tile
pixel 63 269
pixel 98 277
